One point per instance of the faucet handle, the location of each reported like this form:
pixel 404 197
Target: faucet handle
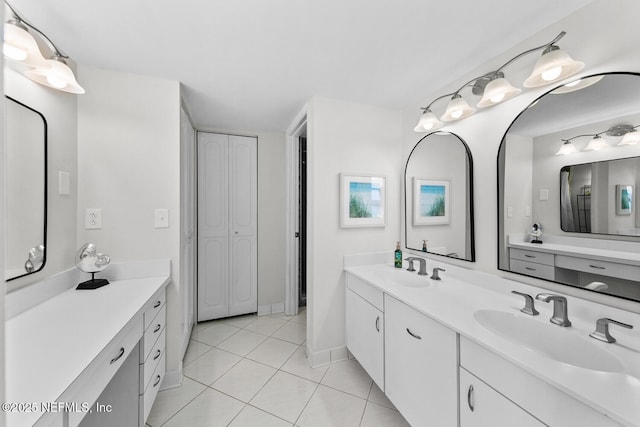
pixel 410 259
pixel 435 275
pixel 602 329
pixel 529 307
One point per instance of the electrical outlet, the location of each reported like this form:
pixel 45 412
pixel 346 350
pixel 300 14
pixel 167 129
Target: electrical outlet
pixel 92 218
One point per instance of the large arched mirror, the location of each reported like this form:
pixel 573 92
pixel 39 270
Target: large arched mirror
pixel 570 163
pixel 439 197
pixel 26 184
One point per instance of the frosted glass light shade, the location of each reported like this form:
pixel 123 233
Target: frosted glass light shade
pixel 552 66
pixel 428 122
pixel 577 85
pixel 56 74
pixel 567 148
pixel 630 138
pixel 497 91
pixel 20 46
pixel 457 109
pixel 597 143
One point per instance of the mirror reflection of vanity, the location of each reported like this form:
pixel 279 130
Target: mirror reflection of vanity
pixel 26 183
pixel 439 197
pixel 585 200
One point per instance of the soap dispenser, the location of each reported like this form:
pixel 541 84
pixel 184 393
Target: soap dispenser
pixel 397 255
pixel 424 246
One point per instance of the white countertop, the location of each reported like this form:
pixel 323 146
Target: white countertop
pixel 461 292
pixel 48 346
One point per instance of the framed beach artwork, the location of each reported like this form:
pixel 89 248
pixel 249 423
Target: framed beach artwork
pixel 431 201
pixel 362 201
pixel 624 199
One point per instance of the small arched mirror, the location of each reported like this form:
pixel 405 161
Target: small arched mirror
pixel 439 197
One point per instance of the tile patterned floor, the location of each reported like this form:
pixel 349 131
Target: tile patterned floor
pixel 252 371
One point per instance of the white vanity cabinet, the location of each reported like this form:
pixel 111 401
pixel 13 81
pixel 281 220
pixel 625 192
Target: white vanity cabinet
pixel 528 396
pixel 482 406
pixel 532 263
pixel 421 365
pixel 365 327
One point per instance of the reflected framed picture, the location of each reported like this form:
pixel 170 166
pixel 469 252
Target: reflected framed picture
pixel 624 199
pixel 431 201
pixel 362 200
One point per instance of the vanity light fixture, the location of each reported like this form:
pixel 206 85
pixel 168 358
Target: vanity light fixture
pixel 493 87
pixel 21 46
pixel 629 133
pixel 577 85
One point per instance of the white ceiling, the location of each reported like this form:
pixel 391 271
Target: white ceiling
pixel 252 64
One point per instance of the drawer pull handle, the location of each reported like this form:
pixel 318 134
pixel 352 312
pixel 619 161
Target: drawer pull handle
pixel 469 396
pixel 158 326
pixel 378 323
pixel 115 359
pixel 157 304
pixel 157 381
pixel 158 353
pixel 530 268
pixel 418 337
pixel 597 267
pixel 529 256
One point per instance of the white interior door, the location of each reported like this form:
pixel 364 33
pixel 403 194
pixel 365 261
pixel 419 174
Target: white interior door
pixel 213 226
pixel 243 199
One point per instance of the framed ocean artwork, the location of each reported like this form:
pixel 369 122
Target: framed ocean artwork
pixel 362 200
pixel 431 201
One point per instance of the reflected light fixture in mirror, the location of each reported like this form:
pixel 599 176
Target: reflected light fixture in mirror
pixel 596 143
pixel 494 88
pixel 21 48
pixel 629 133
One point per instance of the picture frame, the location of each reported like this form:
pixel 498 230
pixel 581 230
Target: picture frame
pixel 362 200
pixel 624 199
pixel 431 201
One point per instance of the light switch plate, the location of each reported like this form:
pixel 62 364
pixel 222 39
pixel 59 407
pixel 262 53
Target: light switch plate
pixel 92 218
pixel 64 183
pixel 527 211
pixel 161 218
pixel 543 194
pixel 509 212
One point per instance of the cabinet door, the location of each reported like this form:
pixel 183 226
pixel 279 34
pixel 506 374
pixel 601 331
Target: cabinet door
pixel 365 339
pixel 482 406
pixel 421 366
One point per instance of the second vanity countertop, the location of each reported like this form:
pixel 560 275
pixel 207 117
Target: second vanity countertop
pixel 453 301
pixel 50 345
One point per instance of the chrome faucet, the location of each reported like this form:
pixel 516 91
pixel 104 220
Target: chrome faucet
pixel 602 329
pixel 423 265
pixel 529 307
pixel 435 275
pixel 560 315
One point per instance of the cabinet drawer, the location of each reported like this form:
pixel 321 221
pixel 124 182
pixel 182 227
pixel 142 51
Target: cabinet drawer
pixel 480 405
pixel 531 256
pixel 545 402
pixel 152 333
pixel 93 380
pixel 369 293
pixel 152 389
pixel 532 269
pixel 154 306
pixel 149 366
pixel 605 268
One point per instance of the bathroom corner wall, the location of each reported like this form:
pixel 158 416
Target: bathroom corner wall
pixel 129 165
pixel 606 47
pixel 344 137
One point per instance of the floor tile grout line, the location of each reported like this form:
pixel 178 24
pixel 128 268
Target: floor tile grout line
pixel 236 415
pixel 295 423
pixel 184 406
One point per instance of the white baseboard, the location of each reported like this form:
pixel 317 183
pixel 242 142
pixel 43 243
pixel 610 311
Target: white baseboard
pixel 266 309
pixel 325 357
pixel 172 379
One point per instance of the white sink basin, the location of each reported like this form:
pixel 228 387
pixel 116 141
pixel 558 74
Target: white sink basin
pixel 551 341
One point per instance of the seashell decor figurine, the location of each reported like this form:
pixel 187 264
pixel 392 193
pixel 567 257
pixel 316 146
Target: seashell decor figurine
pixel 90 261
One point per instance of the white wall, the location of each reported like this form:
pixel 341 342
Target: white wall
pixel 344 137
pixel 60 112
pixel 602 48
pixel 129 165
